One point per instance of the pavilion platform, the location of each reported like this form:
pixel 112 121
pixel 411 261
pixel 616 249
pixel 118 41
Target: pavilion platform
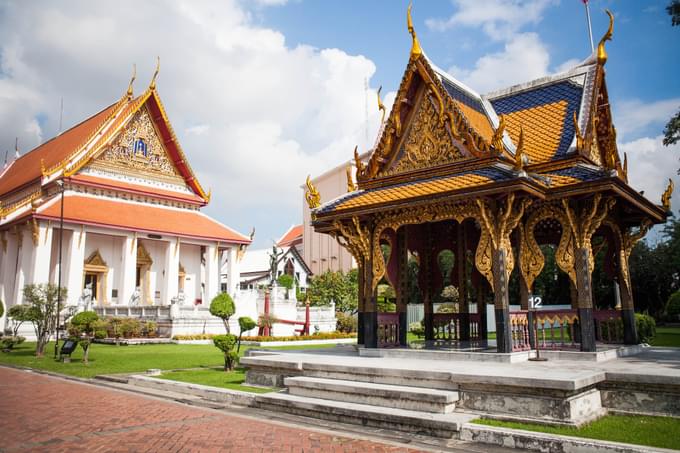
pixel 436 392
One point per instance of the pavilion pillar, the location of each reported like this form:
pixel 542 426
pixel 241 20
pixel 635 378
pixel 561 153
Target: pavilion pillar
pixel 481 309
pixel 461 275
pixel 501 302
pixel 128 275
pixel 402 286
pixel 360 302
pixel 627 307
pixel 426 268
pixel 585 299
pixel 370 303
pixel 524 303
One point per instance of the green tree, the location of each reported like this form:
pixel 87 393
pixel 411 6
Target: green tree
pixel 287 282
pixel 226 343
pixel 672 130
pixel 82 326
pixel 245 324
pixel 223 307
pixel 42 302
pixel 19 314
pixel 334 287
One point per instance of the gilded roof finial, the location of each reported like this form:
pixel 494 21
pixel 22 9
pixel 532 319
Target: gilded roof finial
pixel 521 159
pixel 381 106
pixel 625 166
pixel 313 197
pixel 357 161
pixel 601 52
pixel 132 80
pixel 152 85
pixel 415 47
pixel 351 187
pixel 497 140
pixel 666 196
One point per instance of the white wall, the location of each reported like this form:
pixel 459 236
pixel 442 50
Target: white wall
pixel 190 258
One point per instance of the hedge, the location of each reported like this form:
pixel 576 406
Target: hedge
pixel 261 339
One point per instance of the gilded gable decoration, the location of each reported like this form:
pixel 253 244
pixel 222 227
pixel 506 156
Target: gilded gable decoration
pixel 95 260
pixel 143 257
pixel 139 148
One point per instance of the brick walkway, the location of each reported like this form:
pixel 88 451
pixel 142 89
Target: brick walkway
pixel 42 413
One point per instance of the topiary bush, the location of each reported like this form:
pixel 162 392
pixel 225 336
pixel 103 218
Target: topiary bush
pixel 673 306
pixel 82 328
pixel 245 323
pixel 130 327
pixel 224 308
pixel 226 343
pixel 646 327
pixel 417 329
pixel 8 343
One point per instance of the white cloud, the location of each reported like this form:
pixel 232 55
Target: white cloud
pixel 254 116
pixel 523 58
pixel 650 164
pixel 500 19
pixel 633 116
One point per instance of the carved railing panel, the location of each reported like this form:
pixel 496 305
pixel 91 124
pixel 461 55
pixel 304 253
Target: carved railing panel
pixel 608 326
pixel 388 330
pixel 519 330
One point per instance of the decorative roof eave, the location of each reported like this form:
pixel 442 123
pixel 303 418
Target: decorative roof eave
pixel 526 185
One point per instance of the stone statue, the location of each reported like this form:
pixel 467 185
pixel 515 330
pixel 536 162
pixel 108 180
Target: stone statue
pixel 136 297
pixel 85 300
pixel 273 262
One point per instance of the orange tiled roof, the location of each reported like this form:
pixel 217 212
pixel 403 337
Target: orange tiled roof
pixel 415 189
pixel 542 129
pixel 28 167
pixel 478 120
pixel 140 217
pixel 108 183
pixel 291 235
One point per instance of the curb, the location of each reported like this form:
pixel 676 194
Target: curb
pixel 544 442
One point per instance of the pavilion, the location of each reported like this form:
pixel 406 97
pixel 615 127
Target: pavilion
pixel 492 177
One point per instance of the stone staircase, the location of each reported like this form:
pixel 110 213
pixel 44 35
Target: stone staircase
pixel 395 407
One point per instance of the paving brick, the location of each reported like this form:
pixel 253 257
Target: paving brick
pixel 43 413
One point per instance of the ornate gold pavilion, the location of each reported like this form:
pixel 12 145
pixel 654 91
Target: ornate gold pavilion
pixel 492 177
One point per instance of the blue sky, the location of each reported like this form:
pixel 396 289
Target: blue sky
pixel 263 92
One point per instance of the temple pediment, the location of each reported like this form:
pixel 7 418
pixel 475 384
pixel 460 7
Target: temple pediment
pixel 138 150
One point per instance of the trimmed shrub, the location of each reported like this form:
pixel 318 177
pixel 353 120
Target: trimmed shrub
pixel 226 343
pixel 346 323
pixel 150 328
pixel 245 323
pixel 646 327
pixel 673 306
pixel 8 343
pixel 223 307
pixel 448 308
pixel 130 327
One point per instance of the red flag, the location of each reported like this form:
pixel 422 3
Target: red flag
pixel 585 2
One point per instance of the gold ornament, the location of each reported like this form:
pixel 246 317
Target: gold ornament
pixel 381 107
pixel 666 196
pixel 152 85
pixel 351 187
pixel 497 140
pixel 312 195
pixel 601 52
pixel 132 80
pixel 415 47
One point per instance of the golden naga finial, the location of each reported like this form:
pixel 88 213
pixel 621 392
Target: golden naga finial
pixel 415 47
pixel 357 161
pixel 152 85
pixel 625 166
pixel 351 187
pixel 497 140
pixel 521 159
pixel 132 80
pixel 580 140
pixel 313 197
pixel 601 52
pixel 666 196
pixel 381 106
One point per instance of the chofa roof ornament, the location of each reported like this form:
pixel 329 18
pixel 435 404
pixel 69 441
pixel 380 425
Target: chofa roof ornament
pixel 415 47
pixel 601 52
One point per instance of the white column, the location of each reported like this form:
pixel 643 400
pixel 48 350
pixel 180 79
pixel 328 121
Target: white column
pixel 171 280
pixel 25 254
pixel 41 239
pixel 4 265
pixel 128 271
pixel 9 270
pixel 72 275
pixel 212 274
pixel 233 271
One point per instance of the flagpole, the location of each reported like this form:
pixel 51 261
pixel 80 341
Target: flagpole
pixel 590 26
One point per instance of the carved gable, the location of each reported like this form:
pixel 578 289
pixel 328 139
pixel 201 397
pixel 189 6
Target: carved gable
pixel 428 142
pixel 95 259
pixel 138 150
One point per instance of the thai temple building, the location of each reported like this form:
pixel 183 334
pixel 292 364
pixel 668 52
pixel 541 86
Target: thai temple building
pixel 493 177
pixel 133 232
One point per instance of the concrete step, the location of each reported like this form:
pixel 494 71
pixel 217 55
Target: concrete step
pixel 436 425
pixel 384 395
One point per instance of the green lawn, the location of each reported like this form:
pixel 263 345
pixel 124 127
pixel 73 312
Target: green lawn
pixel 667 336
pixel 111 359
pixel 215 377
pixel 632 429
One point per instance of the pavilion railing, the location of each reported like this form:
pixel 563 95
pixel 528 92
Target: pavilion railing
pixel 388 330
pixel 608 326
pixel 449 326
pixel 519 331
pixel 556 329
